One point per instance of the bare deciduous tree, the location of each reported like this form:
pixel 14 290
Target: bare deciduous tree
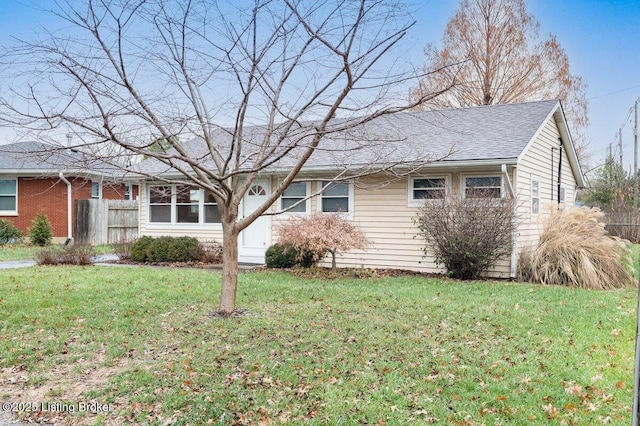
pixel 130 73
pixel 502 61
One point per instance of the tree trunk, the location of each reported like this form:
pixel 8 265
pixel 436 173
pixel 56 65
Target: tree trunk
pixel 229 267
pixel 333 261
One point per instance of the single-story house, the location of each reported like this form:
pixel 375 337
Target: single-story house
pixel 36 177
pixel 524 150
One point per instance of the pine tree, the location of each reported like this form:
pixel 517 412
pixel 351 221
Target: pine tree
pixel 40 233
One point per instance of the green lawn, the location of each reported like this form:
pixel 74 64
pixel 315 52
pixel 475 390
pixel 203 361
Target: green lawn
pixel 17 251
pixel 27 251
pixel 398 351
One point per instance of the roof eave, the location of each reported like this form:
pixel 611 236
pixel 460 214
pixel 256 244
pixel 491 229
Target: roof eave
pixel 55 173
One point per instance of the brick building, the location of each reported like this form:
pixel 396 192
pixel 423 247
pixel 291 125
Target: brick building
pixel 40 178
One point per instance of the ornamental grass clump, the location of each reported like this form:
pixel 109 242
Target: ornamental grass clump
pixel 575 250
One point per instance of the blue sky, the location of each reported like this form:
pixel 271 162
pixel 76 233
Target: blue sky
pixel 602 39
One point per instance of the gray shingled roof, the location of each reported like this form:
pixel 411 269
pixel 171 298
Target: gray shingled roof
pixel 46 159
pixel 497 132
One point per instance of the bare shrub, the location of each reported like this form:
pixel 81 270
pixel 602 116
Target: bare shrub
pixel 78 254
pixel 51 255
pixel 467 235
pixel 211 251
pixel 81 254
pixel 575 250
pixel 322 234
pixel 122 249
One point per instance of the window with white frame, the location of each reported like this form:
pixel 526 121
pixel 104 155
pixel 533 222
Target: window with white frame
pixel 427 188
pixel 160 200
pixel 127 192
pixel 535 195
pixel 8 196
pixel 483 186
pixel 182 204
pixel 95 189
pixel 211 212
pixel 187 204
pixel 562 194
pixel 296 193
pixel 335 198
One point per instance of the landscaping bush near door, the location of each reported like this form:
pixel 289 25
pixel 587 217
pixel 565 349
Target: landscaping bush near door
pixel 167 249
pixel 315 236
pixel 139 249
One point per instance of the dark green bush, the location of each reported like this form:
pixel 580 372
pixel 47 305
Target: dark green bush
pixel 185 249
pixel 40 233
pixel 280 256
pixel 159 250
pixel 8 232
pixel 167 249
pixel 139 249
pixel 309 258
pixel 285 256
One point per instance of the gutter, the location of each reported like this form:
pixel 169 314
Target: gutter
pixel 513 260
pixel 69 208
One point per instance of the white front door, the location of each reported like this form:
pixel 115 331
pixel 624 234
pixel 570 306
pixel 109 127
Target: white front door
pixel 255 239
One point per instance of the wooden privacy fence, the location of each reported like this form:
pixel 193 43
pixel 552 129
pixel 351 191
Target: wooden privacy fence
pixel 105 221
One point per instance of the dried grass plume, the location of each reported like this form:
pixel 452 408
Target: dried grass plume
pixel 575 250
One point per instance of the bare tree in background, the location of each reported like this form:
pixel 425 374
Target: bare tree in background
pixel 130 73
pixel 501 62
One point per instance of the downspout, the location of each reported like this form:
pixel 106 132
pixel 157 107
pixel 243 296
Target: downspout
pixel 560 170
pixel 513 262
pixel 69 209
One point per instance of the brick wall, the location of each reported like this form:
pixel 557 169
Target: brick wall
pixel 49 196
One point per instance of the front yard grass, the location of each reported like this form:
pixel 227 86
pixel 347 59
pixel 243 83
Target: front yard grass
pixel 21 251
pixel 403 350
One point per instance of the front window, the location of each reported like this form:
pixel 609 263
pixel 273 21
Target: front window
pixel 8 196
pixel 433 188
pixel 335 198
pixel 160 204
pixel 483 186
pixel 187 204
pixel 294 195
pixel 183 204
pixel 211 212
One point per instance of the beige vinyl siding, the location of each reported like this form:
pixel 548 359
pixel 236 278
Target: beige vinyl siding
pixel 386 219
pixel 537 162
pixel 383 213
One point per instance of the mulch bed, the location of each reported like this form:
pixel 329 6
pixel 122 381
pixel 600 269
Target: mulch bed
pixel 314 272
